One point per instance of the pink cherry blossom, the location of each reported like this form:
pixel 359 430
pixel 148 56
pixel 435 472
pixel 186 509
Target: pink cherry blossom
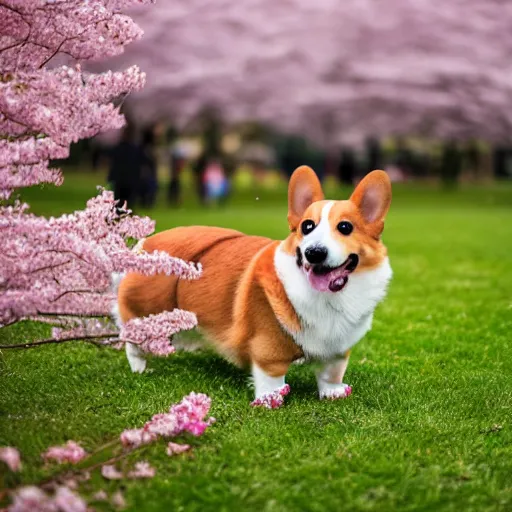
pixel 71 452
pixel 186 416
pixel 67 501
pixel 152 333
pixel 85 248
pixel 111 472
pixel 176 448
pixel 59 270
pixel 11 456
pixel 118 500
pixel 163 425
pixel 142 469
pixel 101 495
pixel 189 415
pixel 31 499
pixel 136 437
pixel 194 407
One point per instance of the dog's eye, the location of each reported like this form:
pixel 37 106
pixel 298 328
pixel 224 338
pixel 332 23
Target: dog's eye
pixel 345 228
pixel 307 226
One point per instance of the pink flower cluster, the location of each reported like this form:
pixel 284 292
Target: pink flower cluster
pixel 110 472
pixel 34 499
pixel 11 456
pixel 186 416
pixel 83 249
pixel 142 469
pixel 33 31
pixel 44 109
pixel 71 452
pixel 176 448
pixel 152 333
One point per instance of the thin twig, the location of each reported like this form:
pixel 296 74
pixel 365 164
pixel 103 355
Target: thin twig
pixel 56 340
pixel 73 472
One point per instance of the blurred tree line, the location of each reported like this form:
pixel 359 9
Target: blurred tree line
pixel 447 161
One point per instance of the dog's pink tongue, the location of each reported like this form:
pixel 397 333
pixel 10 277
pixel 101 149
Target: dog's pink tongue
pixel 334 281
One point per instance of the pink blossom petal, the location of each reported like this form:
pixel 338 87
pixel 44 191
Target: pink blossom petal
pixel 31 499
pixel 11 456
pixel 67 501
pixel 134 438
pixel 176 449
pixel 101 495
pixel 118 500
pixel 71 452
pixel 110 472
pixel 142 470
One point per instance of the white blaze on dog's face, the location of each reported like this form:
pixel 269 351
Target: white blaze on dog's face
pixel 318 240
pixel 332 239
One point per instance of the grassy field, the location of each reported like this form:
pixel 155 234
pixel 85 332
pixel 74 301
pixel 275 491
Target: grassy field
pixel 428 427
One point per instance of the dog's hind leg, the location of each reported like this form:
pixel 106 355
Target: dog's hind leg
pixel 134 354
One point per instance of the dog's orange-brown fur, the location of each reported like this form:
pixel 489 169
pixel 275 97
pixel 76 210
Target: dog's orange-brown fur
pixel 238 303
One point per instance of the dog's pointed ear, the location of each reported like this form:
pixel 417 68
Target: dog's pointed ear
pixel 304 189
pixel 372 197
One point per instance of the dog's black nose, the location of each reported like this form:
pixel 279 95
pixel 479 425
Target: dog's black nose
pixel 316 254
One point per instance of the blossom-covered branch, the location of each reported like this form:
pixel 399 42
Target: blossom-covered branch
pixel 59 493
pixel 59 270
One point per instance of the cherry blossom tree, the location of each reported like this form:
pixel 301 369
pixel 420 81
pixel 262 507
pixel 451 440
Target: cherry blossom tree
pixel 59 270
pixel 334 70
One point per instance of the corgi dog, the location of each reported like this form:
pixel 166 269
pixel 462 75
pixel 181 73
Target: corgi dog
pixel 264 303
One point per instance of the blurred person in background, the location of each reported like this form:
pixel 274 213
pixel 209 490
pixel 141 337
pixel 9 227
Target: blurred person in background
pixel 292 154
pixel 214 160
pixel 373 154
pixel 473 162
pixel 149 168
pixel 125 167
pixel 404 158
pixel 177 162
pixel 216 184
pixel 348 167
pixel 451 164
pixel 199 168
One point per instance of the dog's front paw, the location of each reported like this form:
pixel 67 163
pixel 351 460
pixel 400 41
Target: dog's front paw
pixel 272 400
pixel 329 391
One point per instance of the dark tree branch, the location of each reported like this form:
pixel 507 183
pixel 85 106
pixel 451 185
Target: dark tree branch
pixel 89 339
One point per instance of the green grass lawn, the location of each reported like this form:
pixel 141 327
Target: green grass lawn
pixel 428 426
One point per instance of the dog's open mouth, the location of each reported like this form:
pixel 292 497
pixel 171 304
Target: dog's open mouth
pixel 334 279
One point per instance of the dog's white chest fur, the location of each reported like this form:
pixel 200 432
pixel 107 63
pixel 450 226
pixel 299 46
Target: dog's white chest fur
pixel 332 322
